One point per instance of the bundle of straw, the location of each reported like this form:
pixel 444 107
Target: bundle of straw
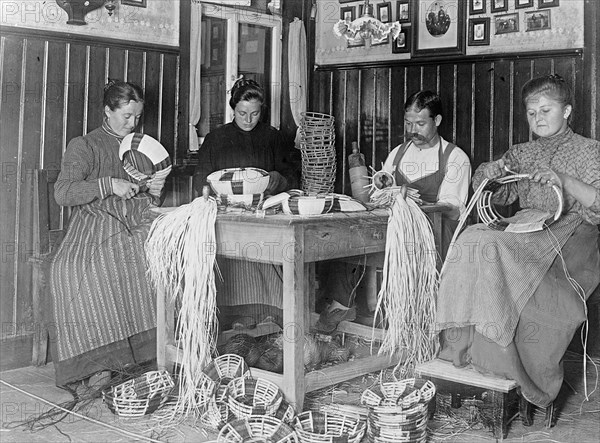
pixel 180 250
pixel 406 300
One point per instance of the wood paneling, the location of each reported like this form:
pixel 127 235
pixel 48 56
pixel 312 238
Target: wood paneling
pixel 52 91
pixel 481 101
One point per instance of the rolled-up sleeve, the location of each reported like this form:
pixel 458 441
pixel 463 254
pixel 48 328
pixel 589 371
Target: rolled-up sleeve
pixel 73 187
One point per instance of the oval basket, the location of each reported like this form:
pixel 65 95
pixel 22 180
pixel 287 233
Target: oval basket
pixel 257 428
pixel 239 181
pixel 216 376
pixel 319 427
pixel 253 396
pixel 139 396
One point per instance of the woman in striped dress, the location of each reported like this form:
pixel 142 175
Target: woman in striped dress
pixel 510 303
pixel 104 308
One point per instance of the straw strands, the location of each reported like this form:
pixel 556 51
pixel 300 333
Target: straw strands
pixel 181 250
pixel 409 286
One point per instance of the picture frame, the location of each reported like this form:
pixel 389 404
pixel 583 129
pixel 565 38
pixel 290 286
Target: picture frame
pixel 138 3
pixel 506 23
pixel 538 20
pixel 499 5
pixel 403 43
pixel 548 3
pixel 346 1
pixel 384 12
pixel 347 13
pixel 403 11
pixel 477 6
pixel 439 27
pixel 520 4
pixel 479 31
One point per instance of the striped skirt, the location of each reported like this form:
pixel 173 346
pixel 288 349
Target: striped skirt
pixel 100 290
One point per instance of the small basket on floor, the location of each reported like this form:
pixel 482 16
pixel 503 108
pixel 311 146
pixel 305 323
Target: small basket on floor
pixel 257 428
pixel 253 396
pixel 217 374
pixel 398 410
pixel 139 396
pixel 319 427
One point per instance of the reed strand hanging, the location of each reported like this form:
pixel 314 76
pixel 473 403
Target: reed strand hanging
pixel 406 300
pixel 181 252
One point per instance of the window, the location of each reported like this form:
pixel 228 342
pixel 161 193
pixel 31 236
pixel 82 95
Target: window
pixel 236 42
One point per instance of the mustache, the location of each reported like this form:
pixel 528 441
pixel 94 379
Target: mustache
pixel 415 136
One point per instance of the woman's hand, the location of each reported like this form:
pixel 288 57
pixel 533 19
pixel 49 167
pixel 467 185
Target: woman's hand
pixel 495 169
pixel 546 176
pixel 277 183
pixel 124 189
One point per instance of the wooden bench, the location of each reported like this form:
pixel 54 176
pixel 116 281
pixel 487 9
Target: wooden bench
pixel 49 227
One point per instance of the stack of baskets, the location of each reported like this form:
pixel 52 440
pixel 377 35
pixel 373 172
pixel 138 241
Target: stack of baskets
pixel 328 427
pixel 398 410
pixel 317 145
pixel 139 396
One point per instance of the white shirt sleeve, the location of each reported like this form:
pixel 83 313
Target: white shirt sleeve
pixel 454 189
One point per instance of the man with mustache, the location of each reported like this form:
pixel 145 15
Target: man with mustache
pixel 441 173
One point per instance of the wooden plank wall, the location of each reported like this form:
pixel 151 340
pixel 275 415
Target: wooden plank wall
pixel 481 99
pixel 52 91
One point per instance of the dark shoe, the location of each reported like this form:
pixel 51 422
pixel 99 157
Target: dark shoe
pixel 243 322
pixel 330 318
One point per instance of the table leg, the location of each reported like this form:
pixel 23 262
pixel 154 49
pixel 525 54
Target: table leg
pixel 294 302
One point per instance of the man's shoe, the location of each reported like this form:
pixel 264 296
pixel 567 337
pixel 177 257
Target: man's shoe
pixel 331 317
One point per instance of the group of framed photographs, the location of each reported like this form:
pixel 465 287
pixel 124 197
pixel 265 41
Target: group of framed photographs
pixel 384 12
pixel 479 28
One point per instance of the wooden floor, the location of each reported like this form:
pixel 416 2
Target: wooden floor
pixel 24 393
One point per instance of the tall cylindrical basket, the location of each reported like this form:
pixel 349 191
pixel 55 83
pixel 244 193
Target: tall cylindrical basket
pixel 317 145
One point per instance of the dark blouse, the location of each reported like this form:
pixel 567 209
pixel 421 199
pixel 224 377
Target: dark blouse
pixel 230 147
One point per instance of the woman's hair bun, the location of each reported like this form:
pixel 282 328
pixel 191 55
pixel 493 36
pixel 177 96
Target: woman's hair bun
pixel 111 82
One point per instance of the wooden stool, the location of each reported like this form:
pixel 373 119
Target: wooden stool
pixel 501 393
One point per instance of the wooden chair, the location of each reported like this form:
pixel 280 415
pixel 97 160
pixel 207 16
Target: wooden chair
pixel 49 227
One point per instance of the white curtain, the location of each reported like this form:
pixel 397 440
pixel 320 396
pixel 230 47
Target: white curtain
pixel 298 70
pixel 195 73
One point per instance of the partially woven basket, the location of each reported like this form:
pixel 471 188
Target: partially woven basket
pixel 215 416
pixel 529 220
pixel 319 427
pixel 216 376
pixel 139 396
pixel 257 428
pixel 253 396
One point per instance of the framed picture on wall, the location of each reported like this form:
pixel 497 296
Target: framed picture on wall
pixel 347 13
pixel 507 23
pixel 547 3
pixel 403 11
pixel 537 20
pixel 479 31
pixel 439 27
pixel 519 4
pixel 477 7
pixel 140 3
pixel 384 12
pixel 402 43
pixel 499 5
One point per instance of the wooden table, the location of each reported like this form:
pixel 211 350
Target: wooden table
pixel 296 243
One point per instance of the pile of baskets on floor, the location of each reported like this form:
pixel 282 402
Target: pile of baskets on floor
pixel 398 410
pixel 317 146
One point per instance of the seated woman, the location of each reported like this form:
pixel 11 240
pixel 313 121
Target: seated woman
pixel 249 292
pixel 103 305
pixel 509 303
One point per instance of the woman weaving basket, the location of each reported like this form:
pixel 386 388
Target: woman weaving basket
pixel 249 291
pixel 509 303
pixel 104 308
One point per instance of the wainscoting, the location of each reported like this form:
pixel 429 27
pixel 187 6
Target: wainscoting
pixel 481 98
